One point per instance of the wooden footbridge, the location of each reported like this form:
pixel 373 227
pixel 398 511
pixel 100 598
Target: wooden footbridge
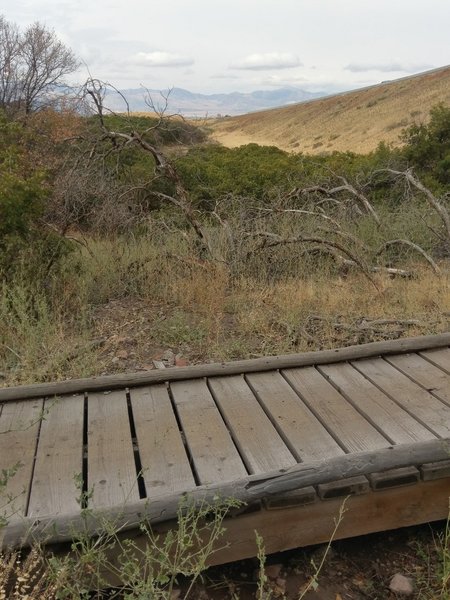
pixel 289 435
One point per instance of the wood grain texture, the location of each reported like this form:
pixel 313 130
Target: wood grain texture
pixel 120 380
pixel 394 422
pixel 427 375
pixel 165 464
pixel 112 476
pixel 59 458
pixel 424 407
pixel 353 431
pixel 19 429
pixel 257 439
pixel 439 357
pixel 299 428
pixel 213 452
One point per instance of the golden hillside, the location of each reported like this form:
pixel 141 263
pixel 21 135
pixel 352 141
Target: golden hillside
pixel 356 121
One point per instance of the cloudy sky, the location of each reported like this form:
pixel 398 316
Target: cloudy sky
pixel 242 45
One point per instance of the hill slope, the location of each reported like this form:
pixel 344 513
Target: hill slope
pixel 356 121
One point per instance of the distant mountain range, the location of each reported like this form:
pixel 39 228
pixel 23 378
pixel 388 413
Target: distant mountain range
pixel 198 105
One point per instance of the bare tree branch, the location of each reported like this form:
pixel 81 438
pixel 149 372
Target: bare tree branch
pixel 32 65
pixel 95 90
pixel 415 247
pixel 345 187
pixel 276 240
pixel 435 203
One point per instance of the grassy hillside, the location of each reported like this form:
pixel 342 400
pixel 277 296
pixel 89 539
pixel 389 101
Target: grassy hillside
pixel 354 121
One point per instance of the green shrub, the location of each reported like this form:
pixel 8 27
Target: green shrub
pixel 428 146
pixel 25 244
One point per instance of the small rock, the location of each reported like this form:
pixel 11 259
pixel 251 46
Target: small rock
pixel 401 585
pixel 122 354
pixel 273 571
pixel 180 361
pixel 115 360
pixel 168 357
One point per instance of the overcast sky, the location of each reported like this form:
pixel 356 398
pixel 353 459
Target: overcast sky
pixel 231 45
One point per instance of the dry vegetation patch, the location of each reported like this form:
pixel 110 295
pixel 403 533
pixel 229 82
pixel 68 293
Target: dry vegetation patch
pixel 121 316
pixel 353 121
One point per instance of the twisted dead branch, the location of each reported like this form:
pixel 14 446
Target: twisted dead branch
pixel 331 193
pixel 276 240
pixel 415 247
pixel 120 140
pixel 433 201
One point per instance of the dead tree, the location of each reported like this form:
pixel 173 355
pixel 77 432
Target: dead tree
pixel 94 91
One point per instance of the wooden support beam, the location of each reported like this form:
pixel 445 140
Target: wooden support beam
pixel 313 524
pixel 303 525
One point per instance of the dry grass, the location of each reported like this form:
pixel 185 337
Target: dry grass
pixel 157 300
pixel 26 578
pixel 252 319
pixel 355 121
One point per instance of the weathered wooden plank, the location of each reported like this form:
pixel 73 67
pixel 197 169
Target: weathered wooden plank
pixel 112 476
pixel 212 449
pixel 395 423
pixel 441 358
pixel 165 464
pixel 353 431
pixel 121 380
pixel 19 429
pixel 258 441
pixel 248 489
pixel 424 373
pixel 56 485
pixel 430 411
pixel 300 429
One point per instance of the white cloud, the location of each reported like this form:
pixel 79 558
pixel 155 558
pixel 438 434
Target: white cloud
pixel 161 59
pixel 224 76
pixel 146 43
pixel 269 60
pixel 388 67
pixel 280 81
